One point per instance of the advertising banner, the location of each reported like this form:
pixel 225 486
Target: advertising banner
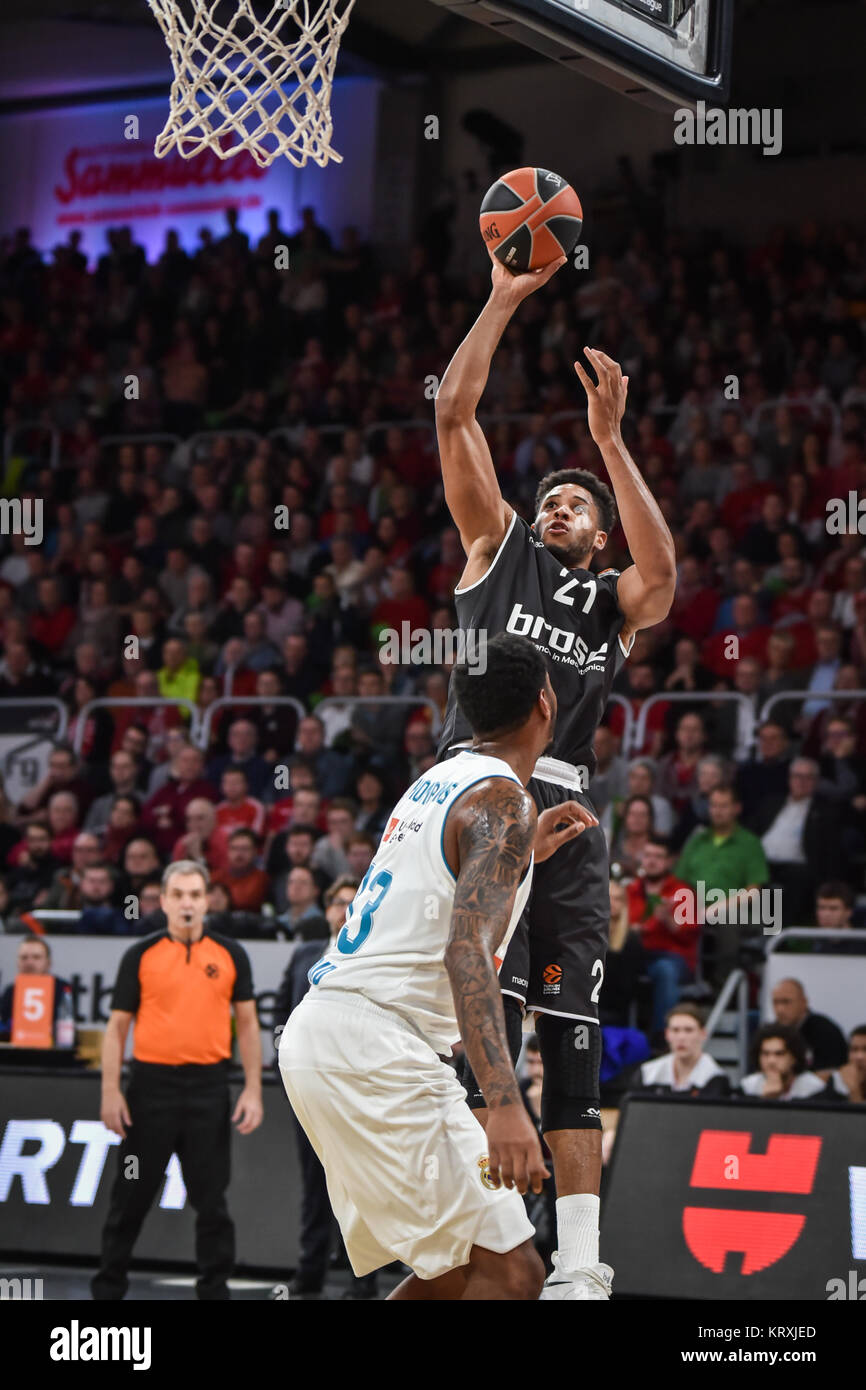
pixel 90 964
pixel 93 167
pixel 58 1162
pixel 737 1200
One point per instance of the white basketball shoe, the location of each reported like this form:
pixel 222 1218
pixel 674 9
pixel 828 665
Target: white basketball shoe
pixel 593 1283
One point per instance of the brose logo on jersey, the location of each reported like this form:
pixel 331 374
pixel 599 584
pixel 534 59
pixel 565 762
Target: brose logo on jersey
pixel 567 644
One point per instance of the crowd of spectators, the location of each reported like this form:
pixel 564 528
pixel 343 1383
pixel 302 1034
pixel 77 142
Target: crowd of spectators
pixel 246 495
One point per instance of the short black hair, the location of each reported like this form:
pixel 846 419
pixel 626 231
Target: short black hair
pixel 789 1036
pixel 835 888
pixel 301 829
pixel 243 832
pixel 501 697
pixel 581 477
pixel 661 841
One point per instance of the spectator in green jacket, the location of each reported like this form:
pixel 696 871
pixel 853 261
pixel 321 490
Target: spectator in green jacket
pixel 724 855
pixel 179 675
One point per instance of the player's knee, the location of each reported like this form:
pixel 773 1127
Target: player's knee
pixel 571 1055
pixel 522 1273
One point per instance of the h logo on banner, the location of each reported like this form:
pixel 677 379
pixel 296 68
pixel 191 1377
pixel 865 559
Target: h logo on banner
pixel 762 1237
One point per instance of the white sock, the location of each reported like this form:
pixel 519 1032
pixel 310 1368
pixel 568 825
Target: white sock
pixel 577 1230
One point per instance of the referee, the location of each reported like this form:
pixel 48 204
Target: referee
pixel 179 985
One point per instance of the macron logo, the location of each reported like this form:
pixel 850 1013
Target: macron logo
pixel 76 1343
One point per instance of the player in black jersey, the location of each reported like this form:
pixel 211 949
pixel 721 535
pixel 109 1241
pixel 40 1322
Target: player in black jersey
pixel 536 581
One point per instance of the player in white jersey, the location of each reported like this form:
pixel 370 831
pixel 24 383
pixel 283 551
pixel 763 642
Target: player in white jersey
pixel 411 1173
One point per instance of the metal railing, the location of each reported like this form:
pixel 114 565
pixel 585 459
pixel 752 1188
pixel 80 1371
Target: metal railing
pixel 133 702
pixel 203 733
pixel 38 702
pixel 192 442
pixel 814 408
pixel 628 725
pixel 331 700
pixel 682 697
pixel 59 916
pixel 118 441
pixel 806 695
pixel 737 984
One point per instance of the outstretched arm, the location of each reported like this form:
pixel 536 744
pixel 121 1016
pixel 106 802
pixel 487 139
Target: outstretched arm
pixel 471 486
pixel 492 833
pixel 646 588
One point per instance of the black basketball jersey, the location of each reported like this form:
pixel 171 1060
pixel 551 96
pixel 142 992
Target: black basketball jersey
pixel 572 616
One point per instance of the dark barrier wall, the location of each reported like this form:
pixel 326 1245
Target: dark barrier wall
pixel 737 1200
pixel 57 1167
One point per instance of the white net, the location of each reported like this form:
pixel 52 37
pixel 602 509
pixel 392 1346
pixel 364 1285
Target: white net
pixel 254 82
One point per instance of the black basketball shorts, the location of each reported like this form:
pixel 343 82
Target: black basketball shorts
pixel 555 960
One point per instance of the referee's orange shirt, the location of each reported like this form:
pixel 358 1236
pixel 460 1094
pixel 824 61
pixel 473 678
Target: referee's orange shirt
pixel 181 996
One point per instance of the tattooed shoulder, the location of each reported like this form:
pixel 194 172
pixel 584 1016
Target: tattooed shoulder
pixel 495 834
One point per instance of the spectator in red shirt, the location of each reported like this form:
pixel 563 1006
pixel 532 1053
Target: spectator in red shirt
pixel 406 514
pixel 238 807
pixel 642 682
pixel 202 839
pixel 694 608
pixel 163 813
pixel 53 620
pixel 340 499
pixel 662 907
pixel 742 506
pixel 248 886
pixel 404 453
pixel 719 651
pixel 403 605
pixel 678 770
pixel 63 824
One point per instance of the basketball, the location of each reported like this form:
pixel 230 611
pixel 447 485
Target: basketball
pixel 529 218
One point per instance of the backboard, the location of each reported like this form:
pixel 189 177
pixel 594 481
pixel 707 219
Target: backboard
pixel 663 53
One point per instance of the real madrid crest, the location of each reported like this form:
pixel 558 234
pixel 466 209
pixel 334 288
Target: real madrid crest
pixel 484 1173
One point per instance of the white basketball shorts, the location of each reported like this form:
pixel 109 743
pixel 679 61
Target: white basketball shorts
pixel 405 1158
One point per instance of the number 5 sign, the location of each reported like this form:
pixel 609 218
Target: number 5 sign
pixel 33 1011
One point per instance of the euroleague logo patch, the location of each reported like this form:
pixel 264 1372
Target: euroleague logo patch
pixel 212 972
pixel 484 1173
pixel 552 977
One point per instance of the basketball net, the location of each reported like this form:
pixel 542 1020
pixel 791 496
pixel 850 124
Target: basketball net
pixel 259 85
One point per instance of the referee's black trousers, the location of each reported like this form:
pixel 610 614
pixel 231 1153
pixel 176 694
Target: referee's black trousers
pixel 183 1110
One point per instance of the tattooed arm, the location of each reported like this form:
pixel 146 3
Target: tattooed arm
pixel 489 836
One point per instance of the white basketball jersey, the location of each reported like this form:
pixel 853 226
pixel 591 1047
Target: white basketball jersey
pixel 392 946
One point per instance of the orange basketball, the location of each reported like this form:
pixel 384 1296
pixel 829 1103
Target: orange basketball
pixel 531 217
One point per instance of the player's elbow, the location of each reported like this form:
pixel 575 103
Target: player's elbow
pixel 453 408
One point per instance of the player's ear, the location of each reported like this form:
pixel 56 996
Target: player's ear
pixel 600 540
